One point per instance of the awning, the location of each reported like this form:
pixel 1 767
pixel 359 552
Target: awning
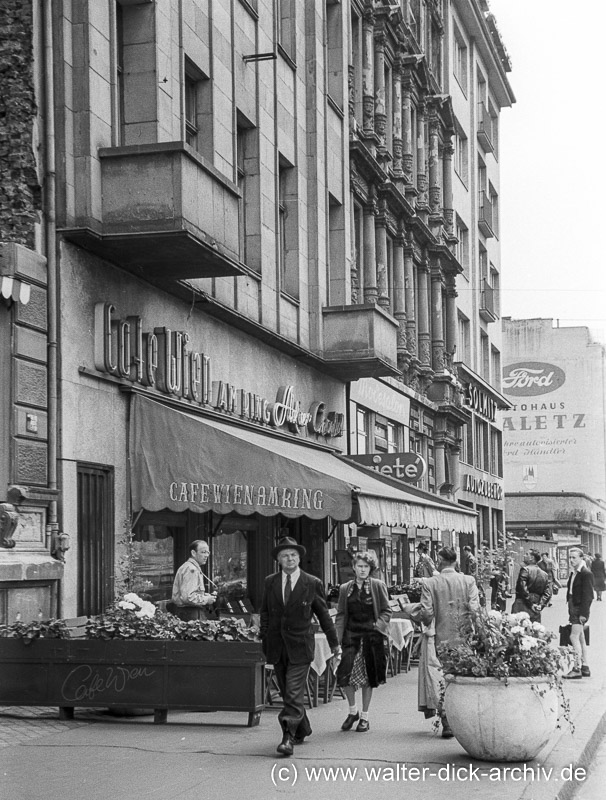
pixel 14 289
pixel 180 461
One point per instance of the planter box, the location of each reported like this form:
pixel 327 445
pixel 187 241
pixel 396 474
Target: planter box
pixel 123 674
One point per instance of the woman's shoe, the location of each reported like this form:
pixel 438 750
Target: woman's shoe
pixel 349 721
pixel 363 725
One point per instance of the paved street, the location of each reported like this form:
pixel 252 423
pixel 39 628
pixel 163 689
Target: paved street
pixel 214 755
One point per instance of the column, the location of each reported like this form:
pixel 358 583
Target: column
pixel 368 80
pixel 407 138
pixel 451 321
pixel 454 465
pixel 421 175
pixel 448 152
pixel 370 261
pixel 437 320
pixel 381 253
pixel 399 292
pixel 440 462
pixel 409 294
pixel 380 118
pixel 397 118
pixel 423 315
pixel 435 189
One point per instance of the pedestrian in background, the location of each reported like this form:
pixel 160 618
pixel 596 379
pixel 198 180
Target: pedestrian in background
pixel 290 599
pixel 579 596
pixel 363 615
pixel 533 591
pixel 470 562
pixel 599 576
pixel 424 568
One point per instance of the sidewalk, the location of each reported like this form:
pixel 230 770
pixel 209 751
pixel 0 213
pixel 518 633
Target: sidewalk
pixel 196 756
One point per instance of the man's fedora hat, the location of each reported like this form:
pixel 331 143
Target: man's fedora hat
pixel 288 543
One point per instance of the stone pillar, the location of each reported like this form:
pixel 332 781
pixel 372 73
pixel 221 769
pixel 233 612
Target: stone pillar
pixel 399 293
pixel 421 174
pixel 435 188
pixel 368 80
pixel 437 321
pixel 440 462
pixel 454 466
pixel 381 253
pixel 370 259
pixel 448 212
pixel 380 109
pixel 397 119
pixel 423 315
pixel 451 321
pixel 407 138
pixel 409 293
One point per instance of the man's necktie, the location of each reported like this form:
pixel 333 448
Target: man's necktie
pixel 287 589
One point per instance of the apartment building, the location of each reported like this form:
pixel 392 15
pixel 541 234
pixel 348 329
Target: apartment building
pixel 241 259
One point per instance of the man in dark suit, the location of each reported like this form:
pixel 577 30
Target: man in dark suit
pixel 579 595
pixel 290 599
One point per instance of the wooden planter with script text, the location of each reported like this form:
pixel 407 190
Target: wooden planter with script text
pixel 126 674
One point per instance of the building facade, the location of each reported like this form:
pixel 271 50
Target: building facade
pixel 555 433
pixel 249 237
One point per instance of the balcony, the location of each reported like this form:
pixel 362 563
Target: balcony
pixel 485 132
pixel 485 215
pixel 488 310
pixel 360 341
pixel 165 214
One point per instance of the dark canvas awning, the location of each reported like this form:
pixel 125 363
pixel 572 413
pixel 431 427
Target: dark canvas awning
pixel 180 461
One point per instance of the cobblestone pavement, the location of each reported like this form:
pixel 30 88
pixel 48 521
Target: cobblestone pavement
pixel 20 724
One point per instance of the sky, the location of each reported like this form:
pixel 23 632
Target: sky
pixel 552 153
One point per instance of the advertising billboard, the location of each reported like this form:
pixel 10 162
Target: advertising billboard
pixel 554 434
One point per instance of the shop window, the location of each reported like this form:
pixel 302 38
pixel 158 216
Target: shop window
pixel 157 537
pixel 230 557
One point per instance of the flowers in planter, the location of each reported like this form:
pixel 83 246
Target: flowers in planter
pixel 36 629
pixel 135 618
pixel 501 645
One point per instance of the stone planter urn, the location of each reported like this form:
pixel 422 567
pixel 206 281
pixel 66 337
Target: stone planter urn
pixel 494 720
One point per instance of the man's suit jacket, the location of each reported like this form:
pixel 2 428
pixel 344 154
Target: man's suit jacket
pixel 446 598
pixel 289 628
pixel 582 591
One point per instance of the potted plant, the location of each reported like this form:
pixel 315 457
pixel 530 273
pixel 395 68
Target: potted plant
pixel 132 656
pixel 503 690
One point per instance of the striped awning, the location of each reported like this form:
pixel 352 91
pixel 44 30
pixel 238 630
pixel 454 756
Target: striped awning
pixel 14 289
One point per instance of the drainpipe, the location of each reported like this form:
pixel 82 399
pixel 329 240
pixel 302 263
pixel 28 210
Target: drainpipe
pixel 52 527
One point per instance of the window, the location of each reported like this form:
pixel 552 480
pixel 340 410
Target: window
pixel 388 108
pixel 466 455
pixel 495 368
pixel 95 531
pixel 336 241
pixel 464 343
pixel 358 254
pixel 494 202
pixel 247 169
pixel 120 72
pixel 196 109
pixel 286 27
pixel 288 229
pixel 387 435
pixel 485 356
pixel 461 155
pixel 334 50
pixel 495 282
pixel 481 444
pixel 156 537
pixel 462 246
pixel 356 60
pixel 496 452
pixel 461 58
pixel 362 423
pixel 494 128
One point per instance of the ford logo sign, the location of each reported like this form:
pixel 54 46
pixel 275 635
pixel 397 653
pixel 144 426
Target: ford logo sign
pixel 531 378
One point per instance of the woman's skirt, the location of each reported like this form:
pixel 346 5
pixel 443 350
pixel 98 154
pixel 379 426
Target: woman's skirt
pixel 363 662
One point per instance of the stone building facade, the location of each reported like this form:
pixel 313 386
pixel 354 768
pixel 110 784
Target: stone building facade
pixel 250 207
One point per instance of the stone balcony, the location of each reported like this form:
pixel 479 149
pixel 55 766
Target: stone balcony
pixel 166 214
pixel 360 341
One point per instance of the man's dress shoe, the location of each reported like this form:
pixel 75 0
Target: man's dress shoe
pixel 286 746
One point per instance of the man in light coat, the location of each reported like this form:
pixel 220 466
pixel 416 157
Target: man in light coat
pixel 445 600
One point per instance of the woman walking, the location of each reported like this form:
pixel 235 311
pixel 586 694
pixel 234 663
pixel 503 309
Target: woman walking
pixel 363 614
pixel 599 576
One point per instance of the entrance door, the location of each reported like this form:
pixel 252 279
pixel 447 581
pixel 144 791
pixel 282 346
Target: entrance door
pixel 95 538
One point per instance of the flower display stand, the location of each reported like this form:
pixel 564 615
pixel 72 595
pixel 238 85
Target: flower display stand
pixel 494 720
pixel 130 674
